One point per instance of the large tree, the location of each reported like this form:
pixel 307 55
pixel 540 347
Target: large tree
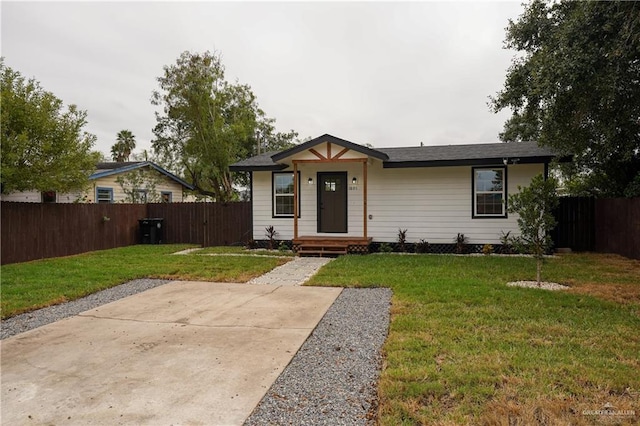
pixel 207 123
pixel 575 87
pixel 43 145
pixel 124 146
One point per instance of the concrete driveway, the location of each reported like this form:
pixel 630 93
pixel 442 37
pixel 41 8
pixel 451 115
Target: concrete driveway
pixel 186 353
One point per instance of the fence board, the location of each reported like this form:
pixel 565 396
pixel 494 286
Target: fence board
pixel 576 224
pixel 618 226
pixel 35 231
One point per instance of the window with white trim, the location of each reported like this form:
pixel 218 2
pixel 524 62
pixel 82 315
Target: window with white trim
pixel 283 194
pixel 489 192
pixel 166 196
pixel 104 195
pixel 140 196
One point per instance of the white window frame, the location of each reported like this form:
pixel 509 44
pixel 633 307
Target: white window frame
pixel 476 192
pixel 169 195
pixel 275 195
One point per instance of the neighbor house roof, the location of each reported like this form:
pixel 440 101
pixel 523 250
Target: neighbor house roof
pixel 113 168
pixel 419 156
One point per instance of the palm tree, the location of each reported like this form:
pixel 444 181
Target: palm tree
pixel 125 144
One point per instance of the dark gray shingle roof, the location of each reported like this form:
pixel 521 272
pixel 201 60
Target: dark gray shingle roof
pixel 434 156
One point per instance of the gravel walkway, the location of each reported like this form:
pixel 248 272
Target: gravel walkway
pixel 30 320
pixel 332 380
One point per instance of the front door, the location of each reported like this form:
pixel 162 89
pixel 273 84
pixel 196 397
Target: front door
pixel 332 202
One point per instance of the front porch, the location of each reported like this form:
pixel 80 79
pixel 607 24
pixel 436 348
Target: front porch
pixel 328 246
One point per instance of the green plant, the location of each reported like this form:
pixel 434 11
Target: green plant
pixel 385 248
pixel 534 205
pixel 270 233
pixel 506 243
pixel 283 246
pixel 461 243
pixel 423 246
pixel 487 249
pixel 402 240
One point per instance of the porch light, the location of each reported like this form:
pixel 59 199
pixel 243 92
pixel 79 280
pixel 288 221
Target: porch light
pixel 310 181
pixel 354 181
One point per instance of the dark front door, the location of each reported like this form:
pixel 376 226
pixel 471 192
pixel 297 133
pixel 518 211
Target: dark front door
pixel 332 202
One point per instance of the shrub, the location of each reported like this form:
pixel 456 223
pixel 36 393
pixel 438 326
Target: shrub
pixel 422 246
pixel 461 243
pixel 270 233
pixel 487 249
pixel 385 248
pixel 402 240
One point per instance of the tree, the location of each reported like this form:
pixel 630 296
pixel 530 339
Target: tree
pixel 575 88
pixel 43 145
pixel 140 186
pixel 124 146
pixel 207 123
pixel 534 205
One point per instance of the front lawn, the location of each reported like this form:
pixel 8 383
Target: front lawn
pixel 464 348
pixel 32 285
pixel 242 250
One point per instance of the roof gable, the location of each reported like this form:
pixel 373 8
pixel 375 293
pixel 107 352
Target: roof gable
pixel 114 168
pixel 326 138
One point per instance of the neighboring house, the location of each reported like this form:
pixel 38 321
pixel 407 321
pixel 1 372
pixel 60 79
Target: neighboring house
pixel 348 192
pixel 114 182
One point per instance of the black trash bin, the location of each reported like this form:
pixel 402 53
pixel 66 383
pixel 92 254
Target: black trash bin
pixel 151 230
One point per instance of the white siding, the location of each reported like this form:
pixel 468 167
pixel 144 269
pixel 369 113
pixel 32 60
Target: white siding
pixel 432 203
pixel 23 197
pixel 36 197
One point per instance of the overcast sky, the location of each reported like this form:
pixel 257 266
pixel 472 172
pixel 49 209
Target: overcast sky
pixel 388 74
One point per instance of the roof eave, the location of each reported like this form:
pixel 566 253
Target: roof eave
pixel 464 162
pixel 265 168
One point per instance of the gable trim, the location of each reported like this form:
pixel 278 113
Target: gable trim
pixel 331 140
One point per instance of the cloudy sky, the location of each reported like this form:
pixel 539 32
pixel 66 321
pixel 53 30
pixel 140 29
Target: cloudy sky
pixel 389 74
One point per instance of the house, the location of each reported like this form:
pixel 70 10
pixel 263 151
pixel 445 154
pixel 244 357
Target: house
pixel 112 182
pixel 331 192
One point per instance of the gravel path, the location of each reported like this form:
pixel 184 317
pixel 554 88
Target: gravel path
pixel 30 320
pixel 332 380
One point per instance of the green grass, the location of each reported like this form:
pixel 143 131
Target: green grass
pixel 465 349
pixel 242 250
pixel 32 285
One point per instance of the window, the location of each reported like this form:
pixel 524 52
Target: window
pixel 49 197
pixel 140 196
pixel 283 195
pixel 489 190
pixel 166 196
pixel 104 195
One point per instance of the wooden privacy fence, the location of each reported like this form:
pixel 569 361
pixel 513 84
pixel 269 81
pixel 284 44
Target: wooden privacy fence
pixel 35 231
pixel 617 222
pixel 576 224
pixel 605 225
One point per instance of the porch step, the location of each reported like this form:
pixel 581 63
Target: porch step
pixel 330 246
pixel 322 250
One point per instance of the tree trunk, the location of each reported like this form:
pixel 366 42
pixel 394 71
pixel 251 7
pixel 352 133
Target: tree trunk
pixel 539 271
